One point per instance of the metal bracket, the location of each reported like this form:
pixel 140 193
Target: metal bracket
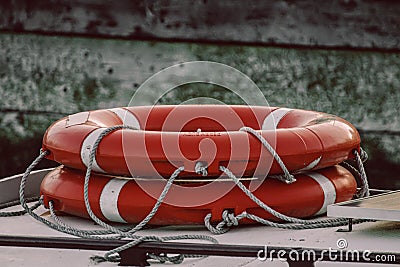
pixel 134 257
pixel 349 227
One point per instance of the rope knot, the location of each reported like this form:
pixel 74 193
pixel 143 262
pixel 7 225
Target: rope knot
pixel 229 218
pixel 201 168
pixel 217 230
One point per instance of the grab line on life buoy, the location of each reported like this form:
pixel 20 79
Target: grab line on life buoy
pixel 112 209
pixel 231 219
pixel 288 178
pixel 111 191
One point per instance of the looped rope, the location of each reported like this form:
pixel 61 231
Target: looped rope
pixel 55 226
pixel 364 180
pixel 19 212
pixel 228 219
pixel 359 159
pixel 257 200
pixel 295 223
pixel 110 232
pixel 363 155
pixel 110 255
pixel 288 178
pixel 87 178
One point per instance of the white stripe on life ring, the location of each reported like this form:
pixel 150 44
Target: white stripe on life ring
pixel 272 120
pixel 87 147
pixel 109 200
pixel 327 187
pixel 311 165
pixel 78 118
pixel 126 117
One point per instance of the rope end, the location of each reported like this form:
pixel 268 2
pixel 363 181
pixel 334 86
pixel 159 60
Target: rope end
pixel 96 259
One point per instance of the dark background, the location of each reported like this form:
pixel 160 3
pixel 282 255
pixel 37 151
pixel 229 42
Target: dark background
pixel 340 57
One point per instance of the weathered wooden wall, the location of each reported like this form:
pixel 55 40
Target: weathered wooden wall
pixel 341 23
pixel 44 77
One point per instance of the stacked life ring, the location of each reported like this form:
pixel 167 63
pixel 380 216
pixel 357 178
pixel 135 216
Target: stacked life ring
pixel 156 140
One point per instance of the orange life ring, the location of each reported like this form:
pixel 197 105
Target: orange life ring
pixel 173 136
pixel 123 200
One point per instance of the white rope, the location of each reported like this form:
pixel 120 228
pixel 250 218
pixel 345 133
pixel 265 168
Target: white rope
pixel 229 220
pixel 110 232
pixel 112 255
pixel 288 178
pixel 199 168
pixel 364 180
pixel 360 172
pixel 19 212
